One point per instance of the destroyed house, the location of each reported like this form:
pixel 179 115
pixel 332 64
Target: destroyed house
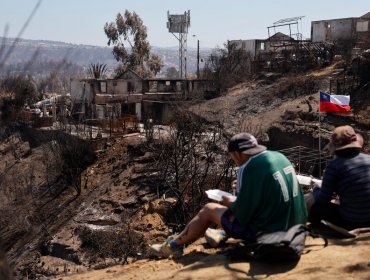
pixel 352 32
pixel 264 52
pixel 279 42
pixel 252 46
pixel 130 94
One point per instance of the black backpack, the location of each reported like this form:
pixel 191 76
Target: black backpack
pixel 281 245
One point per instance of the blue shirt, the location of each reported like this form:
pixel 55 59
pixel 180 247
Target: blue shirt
pixel 348 177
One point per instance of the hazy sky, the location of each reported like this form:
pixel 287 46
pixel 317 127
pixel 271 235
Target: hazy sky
pixel 213 21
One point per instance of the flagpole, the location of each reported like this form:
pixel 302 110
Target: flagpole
pixel 331 103
pixel 320 136
pixel 319 143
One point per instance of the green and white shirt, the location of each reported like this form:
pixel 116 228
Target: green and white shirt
pixel 270 197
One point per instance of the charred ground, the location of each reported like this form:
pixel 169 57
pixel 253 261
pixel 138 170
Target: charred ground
pixel 109 213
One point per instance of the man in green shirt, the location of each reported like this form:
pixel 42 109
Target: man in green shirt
pixel 270 199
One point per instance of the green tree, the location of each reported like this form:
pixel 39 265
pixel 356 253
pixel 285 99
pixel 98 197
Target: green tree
pixel 128 36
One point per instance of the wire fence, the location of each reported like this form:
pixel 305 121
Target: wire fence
pixel 306 160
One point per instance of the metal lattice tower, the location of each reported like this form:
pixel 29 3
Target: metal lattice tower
pixel 180 24
pixel 288 22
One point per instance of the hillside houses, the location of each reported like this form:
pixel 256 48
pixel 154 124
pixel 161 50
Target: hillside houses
pixel 130 94
pixel 351 33
pixel 347 37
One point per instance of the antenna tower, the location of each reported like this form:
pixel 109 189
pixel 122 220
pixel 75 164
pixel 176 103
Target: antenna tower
pixel 180 24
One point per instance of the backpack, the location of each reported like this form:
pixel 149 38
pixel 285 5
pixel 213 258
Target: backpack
pixel 281 245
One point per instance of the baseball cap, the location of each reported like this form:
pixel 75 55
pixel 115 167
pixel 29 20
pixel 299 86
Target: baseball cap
pixel 245 143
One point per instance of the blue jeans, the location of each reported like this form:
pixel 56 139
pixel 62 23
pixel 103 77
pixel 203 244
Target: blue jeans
pixel 330 212
pixel 235 229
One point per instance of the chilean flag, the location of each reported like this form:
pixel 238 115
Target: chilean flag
pixel 334 103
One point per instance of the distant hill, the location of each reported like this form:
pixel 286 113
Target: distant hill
pixel 83 55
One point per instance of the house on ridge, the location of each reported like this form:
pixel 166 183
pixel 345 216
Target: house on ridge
pixel 130 94
pixel 351 34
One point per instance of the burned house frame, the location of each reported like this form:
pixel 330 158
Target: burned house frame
pixel 350 35
pixel 282 52
pixel 128 94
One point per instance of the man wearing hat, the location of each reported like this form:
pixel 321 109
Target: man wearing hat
pixel 348 176
pixel 269 199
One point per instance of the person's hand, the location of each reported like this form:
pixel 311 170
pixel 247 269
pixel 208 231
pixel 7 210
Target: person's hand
pixel 233 186
pixel 310 200
pixel 228 200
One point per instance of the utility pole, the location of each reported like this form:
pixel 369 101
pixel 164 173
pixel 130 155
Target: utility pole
pixel 198 74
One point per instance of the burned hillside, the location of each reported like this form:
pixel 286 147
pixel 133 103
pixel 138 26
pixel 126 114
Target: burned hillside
pixel 104 208
pixel 106 213
pixel 97 166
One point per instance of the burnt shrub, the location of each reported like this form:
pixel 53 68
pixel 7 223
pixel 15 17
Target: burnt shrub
pixel 110 243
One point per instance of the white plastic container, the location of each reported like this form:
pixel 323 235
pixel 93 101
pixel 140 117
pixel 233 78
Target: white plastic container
pixel 307 180
pixel 216 194
pixel 304 180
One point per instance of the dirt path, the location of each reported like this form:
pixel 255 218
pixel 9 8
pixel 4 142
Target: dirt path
pixel 342 259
